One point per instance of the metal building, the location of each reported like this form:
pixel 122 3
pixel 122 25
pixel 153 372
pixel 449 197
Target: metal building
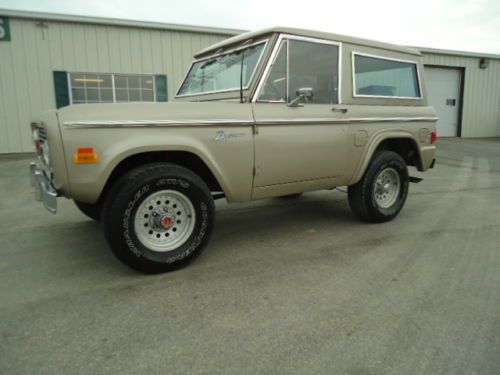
pixel 464 88
pixel 41 53
pixel 49 60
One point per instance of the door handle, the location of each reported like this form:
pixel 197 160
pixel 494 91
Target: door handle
pixel 343 110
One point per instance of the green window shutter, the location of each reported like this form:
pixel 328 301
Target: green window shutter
pixel 161 88
pixel 61 89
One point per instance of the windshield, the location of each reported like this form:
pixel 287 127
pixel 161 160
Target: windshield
pixel 222 73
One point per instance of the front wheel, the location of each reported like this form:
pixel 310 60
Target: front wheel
pixel 380 195
pixel 158 217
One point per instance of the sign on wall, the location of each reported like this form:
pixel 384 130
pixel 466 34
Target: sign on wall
pixel 4 29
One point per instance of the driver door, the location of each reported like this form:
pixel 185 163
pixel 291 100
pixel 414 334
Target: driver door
pixel 300 146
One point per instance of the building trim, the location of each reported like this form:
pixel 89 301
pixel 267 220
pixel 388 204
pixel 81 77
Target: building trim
pixel 436 51
pixel 116 22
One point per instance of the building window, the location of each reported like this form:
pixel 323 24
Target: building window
pixel 91 88
pixel 380 77
pixel 111 88
pixel 134 88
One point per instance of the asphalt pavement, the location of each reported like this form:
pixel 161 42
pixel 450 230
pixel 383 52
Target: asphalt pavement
pixel 285 287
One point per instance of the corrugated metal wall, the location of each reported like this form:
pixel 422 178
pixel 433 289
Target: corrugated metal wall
pixel 37 49
pixel 481 101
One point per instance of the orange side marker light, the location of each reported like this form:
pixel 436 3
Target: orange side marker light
pixel 86 155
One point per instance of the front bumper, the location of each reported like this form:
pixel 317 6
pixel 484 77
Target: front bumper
pixel 44 191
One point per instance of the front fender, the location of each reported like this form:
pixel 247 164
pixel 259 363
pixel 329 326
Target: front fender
pixel 230 161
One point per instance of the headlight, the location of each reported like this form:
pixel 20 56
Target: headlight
pixel 35 137
pixel 39 137
pixel 45 153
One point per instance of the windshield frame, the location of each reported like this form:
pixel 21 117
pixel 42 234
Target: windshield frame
pixel 226 52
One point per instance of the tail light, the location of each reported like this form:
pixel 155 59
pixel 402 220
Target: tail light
pixel 434 137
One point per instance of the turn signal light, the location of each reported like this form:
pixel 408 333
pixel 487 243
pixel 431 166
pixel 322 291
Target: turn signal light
pixel 86 155
pixel 434 137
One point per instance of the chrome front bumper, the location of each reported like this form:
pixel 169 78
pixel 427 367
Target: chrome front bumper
pixel 44 191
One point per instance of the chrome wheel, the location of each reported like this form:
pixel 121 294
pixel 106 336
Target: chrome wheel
pixel 164 220
pixel 386 188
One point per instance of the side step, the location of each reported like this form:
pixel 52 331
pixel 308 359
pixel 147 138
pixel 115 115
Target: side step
pixel 218 195
pixel 415 180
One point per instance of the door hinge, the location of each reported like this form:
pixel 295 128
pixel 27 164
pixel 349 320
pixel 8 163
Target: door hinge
pixel 255 129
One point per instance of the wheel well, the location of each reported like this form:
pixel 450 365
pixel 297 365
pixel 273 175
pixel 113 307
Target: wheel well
pixel 186 159
pixel 405 147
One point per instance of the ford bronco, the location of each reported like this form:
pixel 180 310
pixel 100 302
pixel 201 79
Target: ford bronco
pixel 264 114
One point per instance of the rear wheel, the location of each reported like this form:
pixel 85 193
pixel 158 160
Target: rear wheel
pixel 93 211
pixel 380 195
pixel 159 217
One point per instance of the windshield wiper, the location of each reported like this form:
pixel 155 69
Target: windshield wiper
pixel 209 62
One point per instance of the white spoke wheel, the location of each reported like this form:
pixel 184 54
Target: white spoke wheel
pixel 158 217
pixel 386 188
pixel 164 220
pixel 381 193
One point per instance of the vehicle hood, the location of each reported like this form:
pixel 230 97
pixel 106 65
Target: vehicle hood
pixel 127 113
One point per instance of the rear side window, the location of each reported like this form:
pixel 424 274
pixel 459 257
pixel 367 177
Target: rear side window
pixel 380 77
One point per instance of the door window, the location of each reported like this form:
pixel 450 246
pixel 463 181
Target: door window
pixel 301 64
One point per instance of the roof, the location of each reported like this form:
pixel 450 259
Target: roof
pixel 116 22
pixel 456 53
pixel 311 34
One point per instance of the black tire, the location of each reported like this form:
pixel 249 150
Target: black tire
pixel 126 197
pixel 92 211
pixel 362 195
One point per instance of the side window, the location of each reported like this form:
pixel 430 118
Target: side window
pixel 381 77
pixel 313 65
pixel 300 64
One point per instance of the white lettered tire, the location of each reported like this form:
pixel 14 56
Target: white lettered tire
pixel 158 217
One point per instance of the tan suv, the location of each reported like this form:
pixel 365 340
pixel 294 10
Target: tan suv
pixel 264 114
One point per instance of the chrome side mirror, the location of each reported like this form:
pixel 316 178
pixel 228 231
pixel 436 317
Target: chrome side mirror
pixel 303 94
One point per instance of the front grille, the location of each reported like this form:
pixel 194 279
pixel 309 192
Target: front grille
pixel 42 134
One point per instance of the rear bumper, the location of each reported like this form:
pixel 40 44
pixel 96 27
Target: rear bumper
pixel 43 189
pixel 428 155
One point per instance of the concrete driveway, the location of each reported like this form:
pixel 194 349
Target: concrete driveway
pixel 286 286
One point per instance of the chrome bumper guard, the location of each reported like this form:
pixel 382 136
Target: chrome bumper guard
pixel 44 191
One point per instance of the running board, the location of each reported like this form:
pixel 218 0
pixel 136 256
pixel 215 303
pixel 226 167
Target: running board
pixel 218 195
pixel 415 180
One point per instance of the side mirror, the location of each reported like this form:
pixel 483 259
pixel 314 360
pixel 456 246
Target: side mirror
pixel 303 94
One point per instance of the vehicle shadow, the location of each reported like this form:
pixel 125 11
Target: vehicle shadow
pixel 80 246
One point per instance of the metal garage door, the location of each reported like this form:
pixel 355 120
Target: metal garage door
pixel 443 93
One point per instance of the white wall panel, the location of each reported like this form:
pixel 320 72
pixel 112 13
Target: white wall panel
pixel 27 63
